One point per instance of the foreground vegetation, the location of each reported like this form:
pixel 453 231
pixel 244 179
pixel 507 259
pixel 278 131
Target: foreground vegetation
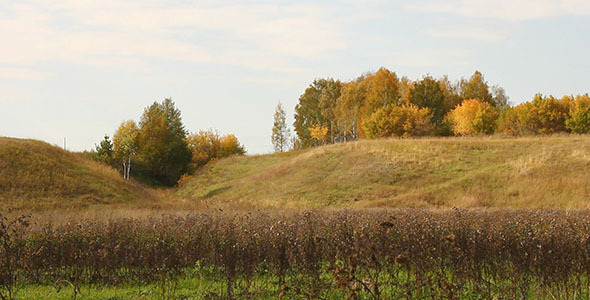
pixel 354 254
pixel 529 172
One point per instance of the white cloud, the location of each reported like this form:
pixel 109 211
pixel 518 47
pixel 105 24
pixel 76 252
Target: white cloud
pixel 509 10
pixel 125 33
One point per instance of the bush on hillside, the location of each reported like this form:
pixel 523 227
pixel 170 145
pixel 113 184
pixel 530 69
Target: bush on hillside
pixel 208 145
pixel 401 121
pixel 473 117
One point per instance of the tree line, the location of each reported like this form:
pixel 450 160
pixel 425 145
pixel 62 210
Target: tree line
pixel 381 104
pixel 160 148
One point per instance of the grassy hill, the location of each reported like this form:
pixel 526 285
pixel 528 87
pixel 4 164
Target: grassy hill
pixel 434 172
pixel 35 175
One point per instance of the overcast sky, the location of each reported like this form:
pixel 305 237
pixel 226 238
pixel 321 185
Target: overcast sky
pixel 78 68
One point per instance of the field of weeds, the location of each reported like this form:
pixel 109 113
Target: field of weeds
pixel 340 254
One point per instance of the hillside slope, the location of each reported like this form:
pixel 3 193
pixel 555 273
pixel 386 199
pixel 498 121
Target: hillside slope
pixel 34 174
pixel 461 172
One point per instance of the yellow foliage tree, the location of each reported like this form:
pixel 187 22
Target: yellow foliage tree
pixel 382 90
pixel 125 145
pixel 348 106
pixel 207 145
pixel 474 117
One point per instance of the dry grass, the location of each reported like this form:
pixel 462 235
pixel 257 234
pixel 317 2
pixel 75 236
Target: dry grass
pixel 36 175
pixel 528 172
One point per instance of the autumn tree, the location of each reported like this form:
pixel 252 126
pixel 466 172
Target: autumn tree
pixel 161 142
pixel 208 145
pixel 348 106
pixel 474 117
pixel 125 145
pixel 280 131
pixel 476 88
pixel 382 90
pixel 230 145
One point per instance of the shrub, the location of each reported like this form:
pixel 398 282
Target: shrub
pixel 474 117
pixel 404 121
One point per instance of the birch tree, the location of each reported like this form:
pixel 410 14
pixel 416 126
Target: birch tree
pixel 125 144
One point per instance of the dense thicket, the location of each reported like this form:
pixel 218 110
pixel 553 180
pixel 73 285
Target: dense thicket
pixel 381 104
pixel 371 254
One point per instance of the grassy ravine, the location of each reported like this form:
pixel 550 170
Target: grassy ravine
pixel 36 175
pixel 532 172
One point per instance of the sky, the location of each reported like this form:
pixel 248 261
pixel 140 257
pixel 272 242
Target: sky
pixel 76 69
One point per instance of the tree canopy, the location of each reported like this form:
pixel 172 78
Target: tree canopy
pixel 161 142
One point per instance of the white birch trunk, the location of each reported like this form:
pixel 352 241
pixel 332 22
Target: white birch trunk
pixel 128 166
